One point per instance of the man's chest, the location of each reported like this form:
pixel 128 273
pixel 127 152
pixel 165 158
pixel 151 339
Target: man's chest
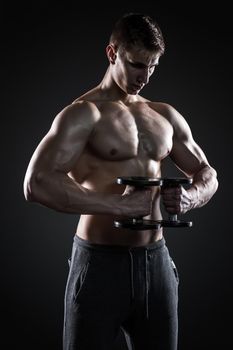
pixel 123 134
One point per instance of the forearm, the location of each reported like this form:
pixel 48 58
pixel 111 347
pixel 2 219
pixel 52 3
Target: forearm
pixel 204 186
pixel 61 193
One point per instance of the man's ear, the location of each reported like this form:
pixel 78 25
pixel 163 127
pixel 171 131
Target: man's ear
pixel 111 53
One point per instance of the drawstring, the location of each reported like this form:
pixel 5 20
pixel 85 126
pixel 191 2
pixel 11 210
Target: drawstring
pixel 146 279
pixel 147 284
pixel 132 286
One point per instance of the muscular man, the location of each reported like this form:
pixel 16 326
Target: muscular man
pixel 119 278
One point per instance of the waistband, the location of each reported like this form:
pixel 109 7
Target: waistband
pixel 117 248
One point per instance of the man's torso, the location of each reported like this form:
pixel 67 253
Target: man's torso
pixel 128 140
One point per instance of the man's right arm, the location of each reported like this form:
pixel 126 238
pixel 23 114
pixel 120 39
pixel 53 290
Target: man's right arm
pixel 47 181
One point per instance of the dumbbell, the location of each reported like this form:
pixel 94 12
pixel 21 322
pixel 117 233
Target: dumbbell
pixel 172 220
pixel 138 223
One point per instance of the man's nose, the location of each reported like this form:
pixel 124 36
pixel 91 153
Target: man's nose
pixel 143 78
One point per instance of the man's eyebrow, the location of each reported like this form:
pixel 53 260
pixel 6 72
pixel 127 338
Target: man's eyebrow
pixel 142 64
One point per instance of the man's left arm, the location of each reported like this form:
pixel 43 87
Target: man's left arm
pixel 192 161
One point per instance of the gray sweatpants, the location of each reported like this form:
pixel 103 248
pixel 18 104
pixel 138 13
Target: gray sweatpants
pixel 113 288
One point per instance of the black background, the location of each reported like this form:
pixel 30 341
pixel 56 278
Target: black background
pixel 51 55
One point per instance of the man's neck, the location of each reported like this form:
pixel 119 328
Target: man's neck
pixel 113 92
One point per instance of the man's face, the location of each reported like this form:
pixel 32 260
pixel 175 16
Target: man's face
pixel 133 69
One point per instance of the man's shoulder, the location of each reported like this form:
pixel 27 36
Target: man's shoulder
pixel 172 115
pixel 167 111
pixel 77 113
pixel 162 108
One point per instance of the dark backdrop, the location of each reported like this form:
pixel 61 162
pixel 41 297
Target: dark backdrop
pixel 51 55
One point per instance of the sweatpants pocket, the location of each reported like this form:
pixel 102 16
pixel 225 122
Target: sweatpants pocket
pixel 80 281
pixel 175 270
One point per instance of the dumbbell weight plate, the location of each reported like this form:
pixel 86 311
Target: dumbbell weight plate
pixel 135 224
pixel 139 181
pixel 177 223
pixel 175 181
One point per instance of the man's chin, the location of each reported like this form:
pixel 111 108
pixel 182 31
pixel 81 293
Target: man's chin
pixel 133 91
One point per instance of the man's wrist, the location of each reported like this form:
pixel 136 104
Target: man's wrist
pixel 193 196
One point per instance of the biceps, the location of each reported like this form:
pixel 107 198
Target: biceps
pixel 188 157
pixel 55 153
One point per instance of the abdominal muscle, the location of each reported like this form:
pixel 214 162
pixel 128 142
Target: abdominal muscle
pixel 100 228
pixel 100 175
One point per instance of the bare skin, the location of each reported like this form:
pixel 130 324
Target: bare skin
pixel 112 131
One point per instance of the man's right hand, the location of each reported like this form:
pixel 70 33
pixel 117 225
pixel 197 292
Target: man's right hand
pixel 137 202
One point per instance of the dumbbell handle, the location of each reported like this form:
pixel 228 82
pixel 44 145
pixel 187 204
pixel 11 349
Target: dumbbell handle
pixel 137 219
pixel 175 182
pixel 172 217
pixel 138 223
pixel 141 183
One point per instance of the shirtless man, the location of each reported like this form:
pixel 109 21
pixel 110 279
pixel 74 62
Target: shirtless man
pixel 119 278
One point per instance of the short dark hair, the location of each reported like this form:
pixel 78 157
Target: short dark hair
pixel 140 30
